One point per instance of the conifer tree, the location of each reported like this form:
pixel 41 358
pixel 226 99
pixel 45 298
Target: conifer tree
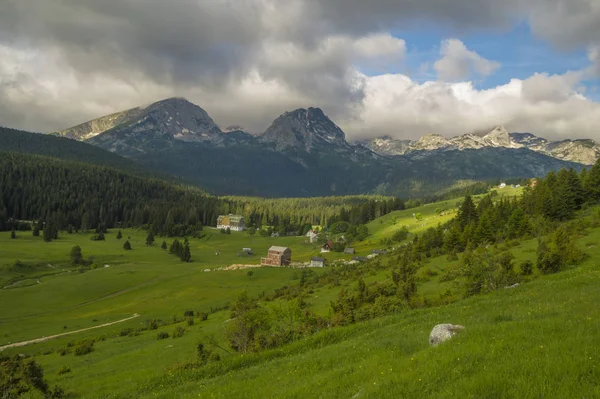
pixel 467 213
pixel 150 239
pixel 36 231
pixel 186 255
pixel 48 232
pixel 164 245
pixel 13 234
pixel 119 235
pixel 127 246
pixel 76 255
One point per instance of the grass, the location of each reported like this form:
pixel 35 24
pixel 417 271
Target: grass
pixel 538 340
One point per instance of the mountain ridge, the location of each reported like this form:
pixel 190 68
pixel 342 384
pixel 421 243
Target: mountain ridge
pixel 584 151
pixel 304 153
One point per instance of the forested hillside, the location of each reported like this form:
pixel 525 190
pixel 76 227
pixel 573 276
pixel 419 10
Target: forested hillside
pixel 63 148
pixel 83 196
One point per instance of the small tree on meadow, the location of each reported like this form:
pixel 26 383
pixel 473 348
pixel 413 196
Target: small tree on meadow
pixel 36 231
pixel 48 232
pixel 186 255
pixel 250 273
pixel 119 235
pixel 164 245
pixel 228 231
pixel 13 234
pixel 150 239
pixel 252 231
pixel 127 246
pixel 76 255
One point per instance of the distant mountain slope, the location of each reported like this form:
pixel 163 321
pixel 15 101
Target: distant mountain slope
pixel 304 153
pixel 582 151
pixel 58 147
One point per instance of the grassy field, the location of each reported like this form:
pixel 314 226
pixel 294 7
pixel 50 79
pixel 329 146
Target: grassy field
pixel 541 336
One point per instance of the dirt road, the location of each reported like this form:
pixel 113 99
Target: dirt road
pixel 35 341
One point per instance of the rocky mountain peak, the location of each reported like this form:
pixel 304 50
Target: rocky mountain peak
pixel 498 137
pixel 430 142
pixel 304 128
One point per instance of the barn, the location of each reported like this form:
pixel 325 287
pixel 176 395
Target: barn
pixel 277 256
pixel 231 222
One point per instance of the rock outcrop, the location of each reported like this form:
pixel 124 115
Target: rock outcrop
pixel 443 332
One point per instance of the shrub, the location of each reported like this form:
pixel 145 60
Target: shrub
pixel 63 351
pixel 162 335
pixel 178 332
pixel 190 321
pixel 127 246
pixel 64 370
pixel 203 316
pixel 526 268
pixel 84 348
pixel 188 313
pixel 128 332
pixel 152 324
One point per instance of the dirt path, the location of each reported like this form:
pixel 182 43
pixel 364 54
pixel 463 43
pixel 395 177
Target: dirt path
pixel 35 341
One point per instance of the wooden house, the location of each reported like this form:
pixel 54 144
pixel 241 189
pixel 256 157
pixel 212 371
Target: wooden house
pixel 327 247
pixel 317 262
pixel 277 256
pixel 231 222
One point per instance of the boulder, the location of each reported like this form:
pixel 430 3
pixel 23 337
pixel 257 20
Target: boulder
pixel 443 332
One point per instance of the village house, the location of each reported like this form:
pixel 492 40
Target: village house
pixel 277 256
pixel 317 262
pixel 349 251
pixel 327 247
pixel 312 236
pixel 231 222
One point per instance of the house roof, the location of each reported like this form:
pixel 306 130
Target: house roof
pixel 379 251
pixel 349 250
pixel 276 248
pixel 317 259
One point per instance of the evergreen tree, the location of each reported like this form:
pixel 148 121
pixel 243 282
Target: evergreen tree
pixel 185 255
pixel 467 213
pixel 119 235
pixel 228 231
pixel 36 231
pixel 164 245
pixel 48 232
pixel 13 234
pixel 76 255
pixel 127 246
pixel 150 239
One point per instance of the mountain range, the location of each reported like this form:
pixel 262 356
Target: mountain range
pixel 582 151
pixel 304 153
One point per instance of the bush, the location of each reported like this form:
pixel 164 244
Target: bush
pixel 188 313
pixel 64 370
pixel 128 332
pixel 84 348
pixel 526 268
pixel 203 316
pixel 127 246
pixel 178 332
pixel 162 335
pixel 190 321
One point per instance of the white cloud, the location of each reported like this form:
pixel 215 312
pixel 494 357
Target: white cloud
pixel 546 105
pixel 458 62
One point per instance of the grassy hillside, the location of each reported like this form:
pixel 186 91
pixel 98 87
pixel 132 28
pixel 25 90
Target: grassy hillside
pixel 540 336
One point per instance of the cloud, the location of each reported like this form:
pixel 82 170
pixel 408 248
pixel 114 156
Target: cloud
pixel 594 56
pixel 547 105
pixel 246 62
pixel 459 63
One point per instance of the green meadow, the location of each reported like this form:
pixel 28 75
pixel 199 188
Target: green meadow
pixel 542 336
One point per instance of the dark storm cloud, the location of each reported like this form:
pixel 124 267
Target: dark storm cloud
pixel 245 61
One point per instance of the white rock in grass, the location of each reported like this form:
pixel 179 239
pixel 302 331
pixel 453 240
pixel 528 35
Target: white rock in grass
pixel 443 332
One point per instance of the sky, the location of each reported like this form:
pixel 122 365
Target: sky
pixel 401 68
